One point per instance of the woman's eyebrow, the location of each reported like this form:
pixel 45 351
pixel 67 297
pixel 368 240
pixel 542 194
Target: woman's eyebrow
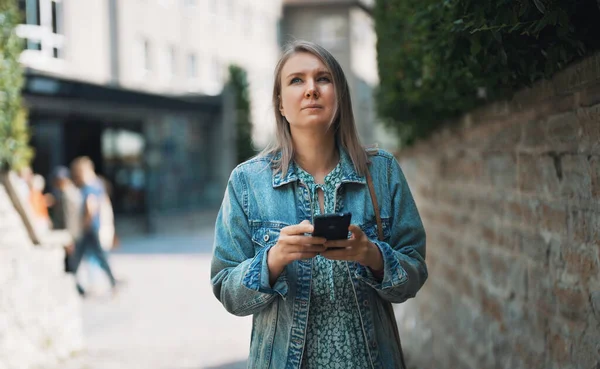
pixel 318 71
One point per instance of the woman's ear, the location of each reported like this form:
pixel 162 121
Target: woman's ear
pixel 281 111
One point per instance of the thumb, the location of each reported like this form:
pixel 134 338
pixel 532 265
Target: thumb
pixel 355 230
pixel 305 221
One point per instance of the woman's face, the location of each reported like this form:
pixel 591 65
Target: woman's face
pixel 307 96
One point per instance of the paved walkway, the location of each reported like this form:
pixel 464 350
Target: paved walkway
pixel 165 316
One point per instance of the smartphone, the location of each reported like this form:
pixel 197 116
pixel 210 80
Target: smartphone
pixel 332 226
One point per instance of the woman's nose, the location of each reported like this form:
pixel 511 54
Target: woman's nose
pixel 311 92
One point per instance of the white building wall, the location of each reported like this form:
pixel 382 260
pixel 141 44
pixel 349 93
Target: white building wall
pixel 217 32
pixel 86 41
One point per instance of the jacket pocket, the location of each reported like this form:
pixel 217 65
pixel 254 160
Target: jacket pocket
pixel 266 234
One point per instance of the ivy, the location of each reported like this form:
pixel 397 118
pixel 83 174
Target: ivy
pixel 441 58
pixel 15 152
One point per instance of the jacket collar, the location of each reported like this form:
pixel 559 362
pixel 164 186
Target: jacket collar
pixel 349 174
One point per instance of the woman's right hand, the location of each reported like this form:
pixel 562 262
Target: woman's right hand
pixel 293 245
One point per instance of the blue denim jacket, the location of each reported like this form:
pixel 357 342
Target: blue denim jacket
pixel 259 202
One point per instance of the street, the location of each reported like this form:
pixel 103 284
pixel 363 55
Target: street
pixel 164 315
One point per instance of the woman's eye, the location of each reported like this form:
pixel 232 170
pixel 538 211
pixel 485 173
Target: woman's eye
pixel 324 79
pixel 295 80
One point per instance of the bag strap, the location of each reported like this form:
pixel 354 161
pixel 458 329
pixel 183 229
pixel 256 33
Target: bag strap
pixel 388 305
pixel 375 206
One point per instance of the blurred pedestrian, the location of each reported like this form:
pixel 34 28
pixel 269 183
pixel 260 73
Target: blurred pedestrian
pixel 66 210
pixel 107 217
pixel 82 169
pixel 318 303
pixel 39 203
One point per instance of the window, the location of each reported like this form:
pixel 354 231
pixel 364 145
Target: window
pixel 192 66
pixel 212 7
pixel 172 61
pixel 247 22
pixel 143 60
pixel 146 63
pixel 228 8
pixel 331 32
pixel 43 27
pixel 217 71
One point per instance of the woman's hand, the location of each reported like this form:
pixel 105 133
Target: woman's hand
pixel 357 248
pixel 293 245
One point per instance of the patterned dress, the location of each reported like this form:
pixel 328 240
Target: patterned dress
pixel 334 337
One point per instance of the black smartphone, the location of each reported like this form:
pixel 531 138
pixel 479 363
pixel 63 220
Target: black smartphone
pixel 332 226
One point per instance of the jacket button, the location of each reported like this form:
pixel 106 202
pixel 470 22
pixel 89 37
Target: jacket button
pixel 366 302
pixel 266 237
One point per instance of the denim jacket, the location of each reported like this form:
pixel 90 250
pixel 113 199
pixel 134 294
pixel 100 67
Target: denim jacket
pixel 258 203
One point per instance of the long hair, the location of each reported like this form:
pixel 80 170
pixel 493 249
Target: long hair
pixel 343 122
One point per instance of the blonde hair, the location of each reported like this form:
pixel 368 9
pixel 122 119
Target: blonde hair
pixel 343 122
pixel 83 162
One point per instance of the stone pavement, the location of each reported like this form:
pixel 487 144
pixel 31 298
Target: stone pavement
pixel 165 315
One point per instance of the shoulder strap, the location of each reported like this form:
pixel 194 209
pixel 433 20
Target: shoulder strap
pixel 388 305
pixel 375 206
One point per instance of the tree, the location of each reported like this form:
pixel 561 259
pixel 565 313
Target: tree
pixel 239 83
pixel 438 59
pixel 15 151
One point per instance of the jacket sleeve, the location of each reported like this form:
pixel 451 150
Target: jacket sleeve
pixel 239 276
pixel 405 270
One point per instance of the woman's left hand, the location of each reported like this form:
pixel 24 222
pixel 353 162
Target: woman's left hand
pixel 357 248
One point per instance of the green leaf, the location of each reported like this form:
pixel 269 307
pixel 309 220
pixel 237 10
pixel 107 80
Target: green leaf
pixel 475 46
pixel 540 6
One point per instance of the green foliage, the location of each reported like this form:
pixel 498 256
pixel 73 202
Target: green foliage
pixel 239 82
pixel 14 134
pixel 441 58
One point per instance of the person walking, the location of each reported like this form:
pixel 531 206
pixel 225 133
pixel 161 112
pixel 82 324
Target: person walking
pixel 82 169
pixel 66 209
pixel 317 303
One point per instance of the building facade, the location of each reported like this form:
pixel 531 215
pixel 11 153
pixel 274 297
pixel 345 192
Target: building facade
pixel 346 29
pixel 138 86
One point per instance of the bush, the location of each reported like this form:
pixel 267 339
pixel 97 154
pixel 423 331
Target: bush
pixel 441 58
pixel 15 152
pixel 239 82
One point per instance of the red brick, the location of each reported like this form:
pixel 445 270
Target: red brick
pixel 538 175
pixel 473 259
pixel 522 213
pixel 595 175
pixel 573 303
pixel 590 95
pixel 560 348
pixel 535 246
pixel 508 239
pixel 562 131
pixel 553 218
pixel 534 136
pixel 590 142
pixel 491 306
pixel 576 182
pixel 526 346
pixel 581 226
pixel 506 138
pixel 582 262
pixel 539 289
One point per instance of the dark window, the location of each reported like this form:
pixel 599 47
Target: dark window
pixel 54 17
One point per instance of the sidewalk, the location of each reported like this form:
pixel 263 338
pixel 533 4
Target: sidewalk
pixel 165 316
pixel 167 223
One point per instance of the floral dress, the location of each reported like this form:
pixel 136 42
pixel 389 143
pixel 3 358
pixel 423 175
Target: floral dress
pixel 334 337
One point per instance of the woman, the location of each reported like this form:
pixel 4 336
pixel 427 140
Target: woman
pixel 315 306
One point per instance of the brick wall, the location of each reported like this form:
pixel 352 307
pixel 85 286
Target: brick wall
pixel 510 199
pixel 40 311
